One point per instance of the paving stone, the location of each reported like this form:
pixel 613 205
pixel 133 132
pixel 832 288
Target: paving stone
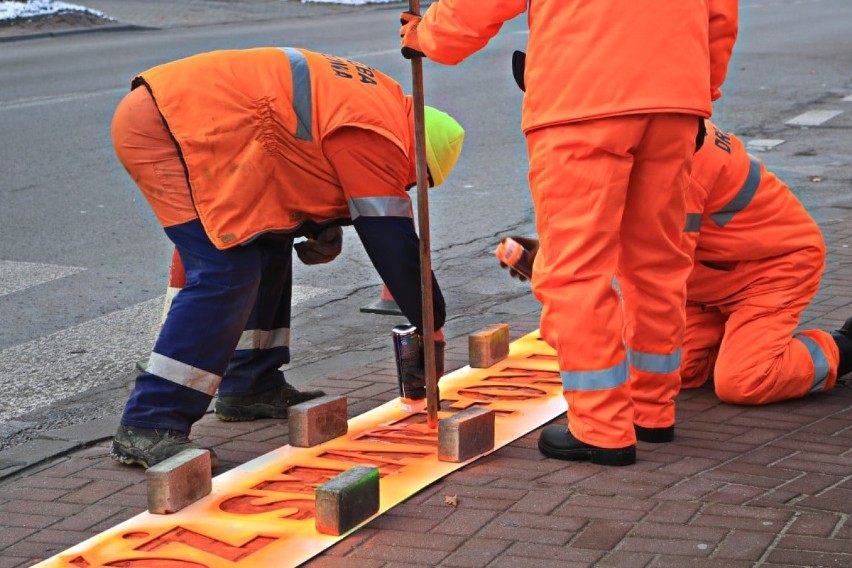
pixel 488 346
pixel 347 500
pixel 178 481
pixel 465 435
pixel 316 421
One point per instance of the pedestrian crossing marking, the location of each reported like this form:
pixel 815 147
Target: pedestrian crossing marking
pixel 16 276
pixel 813 117
pixel 763 144
pixel 262 512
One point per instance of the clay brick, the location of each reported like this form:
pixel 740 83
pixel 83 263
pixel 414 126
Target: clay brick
pixel 178 481
pixel 317 421
pixel 465 435
pixel 488 346
pixel 347 499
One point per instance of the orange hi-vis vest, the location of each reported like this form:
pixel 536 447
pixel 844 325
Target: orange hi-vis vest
pixel 250 124
pixel 594 59
pixel 739 214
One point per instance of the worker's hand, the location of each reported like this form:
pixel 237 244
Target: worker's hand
pixel 408 32
pixel 440 346
pixel 321 249
pixel 531 245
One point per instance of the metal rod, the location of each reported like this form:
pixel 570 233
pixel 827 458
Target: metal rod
pixel 428 330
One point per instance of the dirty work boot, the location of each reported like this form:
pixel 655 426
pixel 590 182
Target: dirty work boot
pixel 269 404
pixel 843 339
pixel 148 447
pixel 558 442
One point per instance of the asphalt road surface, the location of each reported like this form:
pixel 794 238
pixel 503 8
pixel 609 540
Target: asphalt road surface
pixel 84 265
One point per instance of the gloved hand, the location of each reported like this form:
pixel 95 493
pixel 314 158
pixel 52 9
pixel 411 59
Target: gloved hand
pixel 531 245
pixel 408 32
pixel 322 248
pixel 420 373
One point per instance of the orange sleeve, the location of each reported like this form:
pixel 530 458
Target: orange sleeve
pixel 724 26
pixel 367 163
pixel 451 30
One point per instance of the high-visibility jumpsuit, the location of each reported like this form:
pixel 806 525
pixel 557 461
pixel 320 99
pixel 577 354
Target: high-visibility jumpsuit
pixel 614 95
pixel 238 152
pixel 759 257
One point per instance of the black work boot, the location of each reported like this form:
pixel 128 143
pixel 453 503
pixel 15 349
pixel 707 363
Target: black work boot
pixel 654 435
pixel 843 339
pixel 269 404
pixel 148 447
pixel 558 442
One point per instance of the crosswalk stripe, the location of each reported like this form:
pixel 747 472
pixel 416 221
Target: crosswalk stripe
pixel 813 117
pixel 65 363
pixel 15 276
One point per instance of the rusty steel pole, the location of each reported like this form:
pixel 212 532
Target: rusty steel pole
pixel 423 228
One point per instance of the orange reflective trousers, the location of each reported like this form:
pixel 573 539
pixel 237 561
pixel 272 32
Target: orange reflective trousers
pixel 749 343
pixel 609 200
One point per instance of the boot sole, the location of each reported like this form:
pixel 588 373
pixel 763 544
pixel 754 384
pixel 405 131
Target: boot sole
pixel 128 459
pixel 247 413
pixel 599 456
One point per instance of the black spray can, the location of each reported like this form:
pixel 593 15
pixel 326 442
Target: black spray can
pixel 408 351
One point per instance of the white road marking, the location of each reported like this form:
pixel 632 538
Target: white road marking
pixel 813 117
pixel 16 276
pixel 40 372
pixel 848 98
pixel 763 144
pixel 57 99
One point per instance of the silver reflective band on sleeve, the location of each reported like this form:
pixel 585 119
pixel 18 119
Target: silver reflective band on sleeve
pixel 743 196
pixel 183 374
pixel 302 102
pixel 594 380
pixel 820 362
pixel 380 207
pixel 653 363
pixel 262 339
pixel 693 223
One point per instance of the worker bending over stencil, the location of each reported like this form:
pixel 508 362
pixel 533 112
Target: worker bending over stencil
pixel 615 96
pixel 757 262
pixel 238 153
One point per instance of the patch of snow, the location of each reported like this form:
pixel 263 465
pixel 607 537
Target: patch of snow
pixel 32 8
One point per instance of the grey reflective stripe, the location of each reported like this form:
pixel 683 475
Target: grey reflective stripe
pixel 820 362
pixel 302 102
pixel 183 374
pixel 594 380
pixel 693 223
pixel 743 196
pixel 262 339
pixel 380 207
pixel 653 363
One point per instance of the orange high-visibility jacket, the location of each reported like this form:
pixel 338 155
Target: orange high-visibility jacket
pixel 588 59
pixel 738 214
pixel 250 124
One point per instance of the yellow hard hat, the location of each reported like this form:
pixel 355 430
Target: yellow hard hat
pixel 444 139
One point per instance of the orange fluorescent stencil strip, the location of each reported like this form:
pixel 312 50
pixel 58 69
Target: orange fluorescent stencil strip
pixel 262 513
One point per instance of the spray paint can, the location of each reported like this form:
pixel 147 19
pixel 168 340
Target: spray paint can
pixel 408 352
pixel 512 253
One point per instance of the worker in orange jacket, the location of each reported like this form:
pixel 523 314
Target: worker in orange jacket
pixel 610 142
pixel 757 261
pixel 239 153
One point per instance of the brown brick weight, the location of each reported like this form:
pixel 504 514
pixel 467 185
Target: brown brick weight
pixel 178 481
pixel 488 346
pixel 317 421
pixel 465 435
pixel 347 500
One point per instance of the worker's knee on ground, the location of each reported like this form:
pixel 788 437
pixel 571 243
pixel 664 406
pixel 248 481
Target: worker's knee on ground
pixel 695 372
pixel 739 389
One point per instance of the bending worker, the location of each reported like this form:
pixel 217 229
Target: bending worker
pixel 238 153
pixel 610 142
pixel 758 259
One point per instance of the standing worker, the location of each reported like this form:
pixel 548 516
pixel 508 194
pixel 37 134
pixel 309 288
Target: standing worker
pixel 238 153
pixel 758 257
pixel 615 94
